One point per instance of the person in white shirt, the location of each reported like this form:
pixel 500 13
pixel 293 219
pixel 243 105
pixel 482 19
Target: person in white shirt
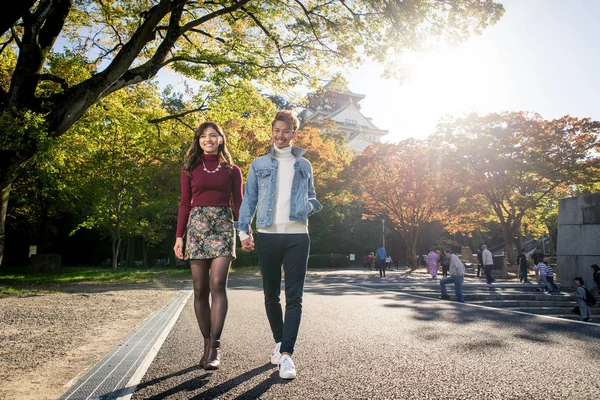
pixel 488 264
pixel 456 275
pixel 542 269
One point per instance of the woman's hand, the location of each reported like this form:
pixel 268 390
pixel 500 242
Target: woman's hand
pixel 248 244
pixel 178 248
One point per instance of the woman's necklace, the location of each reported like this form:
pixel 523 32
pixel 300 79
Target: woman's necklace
pixel 211 172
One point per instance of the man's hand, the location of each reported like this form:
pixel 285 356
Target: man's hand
pixel 248 243
pixel 178 248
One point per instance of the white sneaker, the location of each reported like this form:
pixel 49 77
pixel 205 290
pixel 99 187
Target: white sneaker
pixel 287 369
pixel 276 356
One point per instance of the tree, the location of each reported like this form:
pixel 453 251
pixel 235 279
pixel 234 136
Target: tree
pixel 127 176
pixel 404 183
pixel 118 44
pixel 516 160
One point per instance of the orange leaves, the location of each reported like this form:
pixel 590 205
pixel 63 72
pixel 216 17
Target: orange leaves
pixel 401 181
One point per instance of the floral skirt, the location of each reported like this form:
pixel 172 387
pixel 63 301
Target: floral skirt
pixel 210 234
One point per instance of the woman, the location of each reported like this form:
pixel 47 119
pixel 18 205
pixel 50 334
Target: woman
pixel 211 186
pixel 432 261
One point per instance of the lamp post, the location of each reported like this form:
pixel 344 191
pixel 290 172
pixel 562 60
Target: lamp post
pixel 383 231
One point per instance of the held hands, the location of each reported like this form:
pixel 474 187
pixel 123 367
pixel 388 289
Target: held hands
pixel 248 244
pixel 178 248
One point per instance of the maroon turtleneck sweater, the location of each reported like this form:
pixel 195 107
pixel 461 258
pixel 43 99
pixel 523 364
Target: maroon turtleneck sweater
pixel 221 189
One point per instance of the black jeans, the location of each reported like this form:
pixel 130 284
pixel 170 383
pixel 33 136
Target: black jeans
pixel 523 276
pixel 291 251
pixel 381 267
pixel 445 269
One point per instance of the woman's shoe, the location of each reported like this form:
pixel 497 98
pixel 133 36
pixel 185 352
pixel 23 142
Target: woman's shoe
pixel 205 354
pixel 213 360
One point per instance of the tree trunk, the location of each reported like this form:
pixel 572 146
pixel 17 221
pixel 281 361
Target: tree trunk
pixel 552 236
pixel 3 207
pixel 410 239
pixel 116 244
pixel 145 247
pixel 122 252
pixel 509 239
pixel 130 259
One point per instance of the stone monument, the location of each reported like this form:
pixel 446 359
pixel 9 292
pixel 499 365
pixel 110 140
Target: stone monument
pixel 578 244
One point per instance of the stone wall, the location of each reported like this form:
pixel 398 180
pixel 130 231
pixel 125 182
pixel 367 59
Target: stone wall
pixel 578 244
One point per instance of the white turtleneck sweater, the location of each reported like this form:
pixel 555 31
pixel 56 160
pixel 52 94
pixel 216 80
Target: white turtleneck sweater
pixel 283 191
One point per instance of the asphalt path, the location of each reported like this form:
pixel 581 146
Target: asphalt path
pixel 361 337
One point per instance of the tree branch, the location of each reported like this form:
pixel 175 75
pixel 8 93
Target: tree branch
pixel 202 108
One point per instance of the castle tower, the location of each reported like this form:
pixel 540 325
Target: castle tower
pixel 341 105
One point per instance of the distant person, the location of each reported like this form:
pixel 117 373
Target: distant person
pixel 445 263
pixel 380 257
pixel 479 262
pixel 596 277
pixel 542 270
pixel 585 313
pixel 211 195
pixel 432 263
pixel 535 256
pixel 522 260
pixel 365 262
pixel 388 263
pixel 550 278
pixel 488 264
pixel 457 277
pixel 371 260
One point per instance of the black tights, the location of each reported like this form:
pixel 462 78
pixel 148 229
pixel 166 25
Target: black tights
pixel 210 315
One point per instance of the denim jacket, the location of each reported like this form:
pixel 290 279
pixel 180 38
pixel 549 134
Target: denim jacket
pixel 260 191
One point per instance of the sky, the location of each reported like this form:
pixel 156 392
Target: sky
pixel 542 56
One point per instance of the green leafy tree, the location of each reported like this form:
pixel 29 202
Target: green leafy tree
pixel 126 175
pixel 113 45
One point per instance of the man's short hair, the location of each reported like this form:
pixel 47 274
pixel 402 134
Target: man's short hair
pixel 447 251
pixel 288 117
pixel 483 247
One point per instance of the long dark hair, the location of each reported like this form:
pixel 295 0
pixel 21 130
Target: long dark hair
pixel 195 153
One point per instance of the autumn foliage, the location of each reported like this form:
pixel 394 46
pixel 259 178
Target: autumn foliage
pixel 405 183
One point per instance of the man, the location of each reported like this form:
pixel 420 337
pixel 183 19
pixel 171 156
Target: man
pixel 380 257
pixel 280 189
pixel 522 260
pixel 456 275
pixel 479 262
pixel 488 264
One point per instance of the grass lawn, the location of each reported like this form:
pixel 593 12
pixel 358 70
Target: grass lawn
pixel 19 282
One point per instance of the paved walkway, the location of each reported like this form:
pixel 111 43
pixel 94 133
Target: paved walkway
pixel 363 337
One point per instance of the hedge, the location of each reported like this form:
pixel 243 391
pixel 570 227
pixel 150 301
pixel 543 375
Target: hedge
pixel 328 260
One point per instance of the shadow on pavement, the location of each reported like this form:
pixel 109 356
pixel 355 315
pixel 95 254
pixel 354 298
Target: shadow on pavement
pixel 197 382
pixel 522 326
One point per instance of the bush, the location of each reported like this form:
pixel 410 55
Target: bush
pixel 245 259
pixel 328 261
